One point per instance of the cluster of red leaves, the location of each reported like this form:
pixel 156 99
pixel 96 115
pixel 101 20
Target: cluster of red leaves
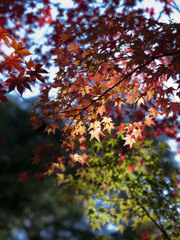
pixel 17 15
pixel 21 73
pixel 115 67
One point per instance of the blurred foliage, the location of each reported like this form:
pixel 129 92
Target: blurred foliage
pixel 31 210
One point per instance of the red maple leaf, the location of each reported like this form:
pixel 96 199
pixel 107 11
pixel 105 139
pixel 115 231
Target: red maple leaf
pixel 131 168
pixel 144 235
pixel 22 177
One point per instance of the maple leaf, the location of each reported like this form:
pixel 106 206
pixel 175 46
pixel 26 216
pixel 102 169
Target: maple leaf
pixel 36 159
pixel 131 168
pixel 82 139
pixel 19 49
pixel 95 124
pixel 73 47
pixel 140 101
pixel 154 112
pixel 144 235
pixel 12 62
pixel 78 158
pixel 2 97
pixel 129 140
pixel 84 159
pixel 51 127
pixel 20 82
pixel 35 70
pixel 130 98
pixel 84 90
pixel 38 176
pixel 148 121
pixel 4 35
pixel 109 127
pixel 22 177
pixel 83 148
pixel 150 93
pixel 174 106
pixel 118 102
pixel 101 110
pixel 121 127
pixel 107 121
pixel 96 133
pixel 136 132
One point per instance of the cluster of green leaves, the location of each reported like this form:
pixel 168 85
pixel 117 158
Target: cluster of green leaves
pixel 134 189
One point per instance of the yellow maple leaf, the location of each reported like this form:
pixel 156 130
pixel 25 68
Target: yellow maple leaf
pixel 107 121
pixel 96 133
pixel 129 140
pixel 136 132
pixel 140 101
pixel 95 124
pixel 109 127
pixel 101 110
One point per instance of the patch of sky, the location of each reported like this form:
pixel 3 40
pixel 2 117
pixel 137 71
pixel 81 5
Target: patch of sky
pixel 20 234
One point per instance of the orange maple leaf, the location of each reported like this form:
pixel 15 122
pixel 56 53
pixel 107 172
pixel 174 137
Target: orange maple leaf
pixel 19 49
pixel 4 35
pixel 51 127
pixel 78 158
pixel 12 62
pixel 148 121
pixel 140 101
pixel 84 159
pixel 73 47
pixel 82 139
pixel 130 98
pixel 154 112
pixel 101 110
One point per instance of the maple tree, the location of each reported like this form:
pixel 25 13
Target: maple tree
pixel 121 57
pixel 115 60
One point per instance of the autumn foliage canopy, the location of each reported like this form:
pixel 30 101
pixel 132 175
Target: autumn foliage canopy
pixel 114 61
pixel 116 89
